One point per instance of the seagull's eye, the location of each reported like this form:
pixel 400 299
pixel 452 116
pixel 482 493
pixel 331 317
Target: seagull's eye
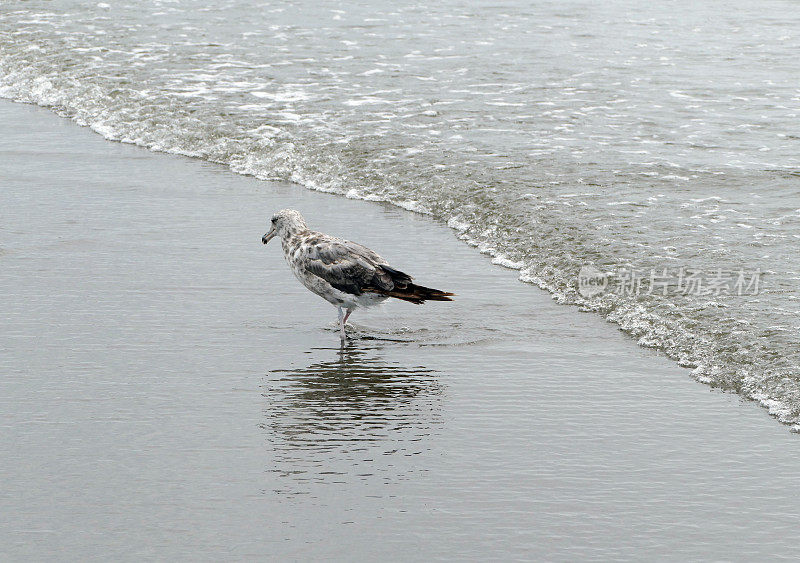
pixel 274 220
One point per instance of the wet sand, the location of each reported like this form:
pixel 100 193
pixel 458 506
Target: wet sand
pixel 170 391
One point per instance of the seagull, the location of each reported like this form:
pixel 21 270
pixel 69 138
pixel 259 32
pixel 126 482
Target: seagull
pixel 344 273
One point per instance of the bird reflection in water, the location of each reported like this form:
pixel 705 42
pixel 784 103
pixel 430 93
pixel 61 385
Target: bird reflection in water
pixel 347 415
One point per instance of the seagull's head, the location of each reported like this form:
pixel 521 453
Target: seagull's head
pixel 285 223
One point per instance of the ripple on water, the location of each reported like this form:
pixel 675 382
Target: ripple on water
pixel 346 409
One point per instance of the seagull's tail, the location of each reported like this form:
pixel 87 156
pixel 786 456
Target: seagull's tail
pixel 419 294
pixel 411 292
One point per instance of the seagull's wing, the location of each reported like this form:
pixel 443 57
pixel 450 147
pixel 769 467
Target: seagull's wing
pixel 355 269
pixel 347 266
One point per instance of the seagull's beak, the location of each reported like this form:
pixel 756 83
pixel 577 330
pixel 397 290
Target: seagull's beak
pixel 268 237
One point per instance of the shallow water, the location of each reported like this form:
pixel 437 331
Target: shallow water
pixel 638 137
pixel 170 391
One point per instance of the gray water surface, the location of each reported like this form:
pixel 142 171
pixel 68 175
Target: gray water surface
pixel 636 136
pixel 170 391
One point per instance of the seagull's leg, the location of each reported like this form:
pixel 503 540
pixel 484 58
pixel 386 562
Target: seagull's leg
pixel 343 321
pixel 342 318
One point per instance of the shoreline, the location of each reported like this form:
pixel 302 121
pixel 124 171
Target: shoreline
pixel 172 389
pixel 627 318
